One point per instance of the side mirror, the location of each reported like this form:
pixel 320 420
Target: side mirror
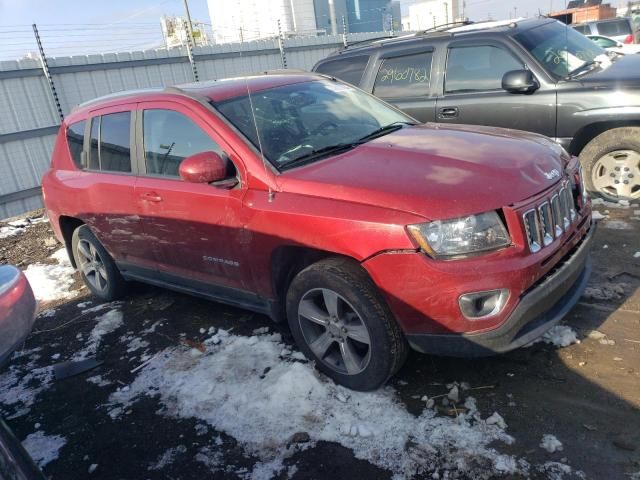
pixel 520 81
pixel 204 167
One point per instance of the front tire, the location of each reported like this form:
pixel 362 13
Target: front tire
pixel 98 270
pixel 611 163
pixel 339 319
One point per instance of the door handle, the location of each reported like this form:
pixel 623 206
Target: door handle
pixel 151 197
pixel 448 112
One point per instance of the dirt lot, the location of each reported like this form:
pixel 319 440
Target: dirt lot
pixel 192 389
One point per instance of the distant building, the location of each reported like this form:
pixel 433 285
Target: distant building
pixel 579 11
pixel 329 15
pixel 174 31
pixel 369 15
pixel 431 13
pixel 237 20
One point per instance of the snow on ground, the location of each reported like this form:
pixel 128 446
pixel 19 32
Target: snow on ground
pixel 106 323
pixel 607 291
pixel 245 387
pixel 52 282
pixel 168 457
pixel 596 215
pixel 559 336
pixel 17 227
pixel 43 448
pixel 20 385
pixel 617 225
pixel 550 443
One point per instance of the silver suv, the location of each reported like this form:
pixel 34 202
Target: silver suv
pixel 621 29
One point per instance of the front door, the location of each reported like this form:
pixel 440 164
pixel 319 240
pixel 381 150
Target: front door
pixel 472 92
pixel 194 229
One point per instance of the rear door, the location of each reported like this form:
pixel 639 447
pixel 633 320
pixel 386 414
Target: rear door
pixel 472 90
pixel 405 80
pixel 107 184
pixel 195 230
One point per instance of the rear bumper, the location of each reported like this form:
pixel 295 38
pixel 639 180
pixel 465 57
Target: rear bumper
pixel 17 310
pixel 543 306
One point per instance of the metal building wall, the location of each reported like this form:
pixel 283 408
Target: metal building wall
pixel 28 118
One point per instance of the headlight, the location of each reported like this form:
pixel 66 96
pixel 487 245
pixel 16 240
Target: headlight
pixel 461 236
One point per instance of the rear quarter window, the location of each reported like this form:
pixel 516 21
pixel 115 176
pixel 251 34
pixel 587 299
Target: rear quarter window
pixel 348 69
pixel 75 140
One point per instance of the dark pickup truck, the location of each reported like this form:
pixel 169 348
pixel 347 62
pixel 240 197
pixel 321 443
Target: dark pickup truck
pixel 536 75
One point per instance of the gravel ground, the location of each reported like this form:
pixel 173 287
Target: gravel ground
pixel 586 395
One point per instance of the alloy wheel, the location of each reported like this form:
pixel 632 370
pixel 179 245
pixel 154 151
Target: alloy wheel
pixel 92 265
pixel 616 175
pixel 334 331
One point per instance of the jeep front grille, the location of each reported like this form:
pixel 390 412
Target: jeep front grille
pixel 550 219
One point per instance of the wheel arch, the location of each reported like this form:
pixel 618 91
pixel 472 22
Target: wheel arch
pixel 289 260
pixel 592 130
pixel 67 226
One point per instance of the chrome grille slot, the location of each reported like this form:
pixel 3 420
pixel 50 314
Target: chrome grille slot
pixel 564 208
pixel 532 227
pixel 546 223
pixel 571 203
pixel 557 215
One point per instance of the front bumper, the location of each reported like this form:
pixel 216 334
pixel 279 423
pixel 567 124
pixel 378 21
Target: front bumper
pixel 540 308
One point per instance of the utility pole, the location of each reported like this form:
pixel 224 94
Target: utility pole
pixel 47 74
pixel 446 13
pixel 515 12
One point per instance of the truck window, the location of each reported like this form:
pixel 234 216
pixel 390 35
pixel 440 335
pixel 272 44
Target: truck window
pixel 348 69
pixel 614 28
pixel 472 69
pixel 406 76
pixel 583 29
pixel 75 139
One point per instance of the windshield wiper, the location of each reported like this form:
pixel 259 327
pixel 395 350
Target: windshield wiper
pixel 320 152
pixel 585 67
pixel 343 147
pixel 392 127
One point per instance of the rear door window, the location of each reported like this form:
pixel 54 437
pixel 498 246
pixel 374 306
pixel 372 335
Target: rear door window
pixel 115 142
pixel 110 143
pixel 348 69
pixel 169 138
pixel 75 140
pixel 614 28
pixel 406 76
pixel 481 68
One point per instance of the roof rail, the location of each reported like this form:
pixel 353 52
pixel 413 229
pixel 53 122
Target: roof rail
pixel 444 25
pixel 364 42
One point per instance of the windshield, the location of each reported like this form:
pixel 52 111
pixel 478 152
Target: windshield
pixel 560 49
pixel 304 119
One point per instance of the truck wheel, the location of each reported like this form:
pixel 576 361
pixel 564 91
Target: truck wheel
pixel 339 319
pixel 611 163
pixel 97 268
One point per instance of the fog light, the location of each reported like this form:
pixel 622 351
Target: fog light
pixel 483 304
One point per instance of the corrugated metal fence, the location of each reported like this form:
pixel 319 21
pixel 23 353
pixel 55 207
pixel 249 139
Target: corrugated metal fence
pixel 28 116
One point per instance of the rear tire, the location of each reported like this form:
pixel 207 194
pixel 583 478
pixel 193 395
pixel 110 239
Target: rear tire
pixel 98 270
pixel 611 163
pixel 353 337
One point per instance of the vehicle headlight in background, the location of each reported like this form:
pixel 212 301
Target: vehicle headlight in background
pixel 461 236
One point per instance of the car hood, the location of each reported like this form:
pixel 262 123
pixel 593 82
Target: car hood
pixel 623 72
pixel 435 171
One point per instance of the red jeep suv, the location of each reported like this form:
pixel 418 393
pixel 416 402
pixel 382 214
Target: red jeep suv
pixel 306 199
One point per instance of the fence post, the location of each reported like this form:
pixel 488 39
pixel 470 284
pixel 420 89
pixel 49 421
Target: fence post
pixel 344 32
pixel 283 56
pixel 192 60
pixel 47 74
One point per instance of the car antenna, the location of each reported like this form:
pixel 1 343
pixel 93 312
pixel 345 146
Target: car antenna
pixel 255 121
